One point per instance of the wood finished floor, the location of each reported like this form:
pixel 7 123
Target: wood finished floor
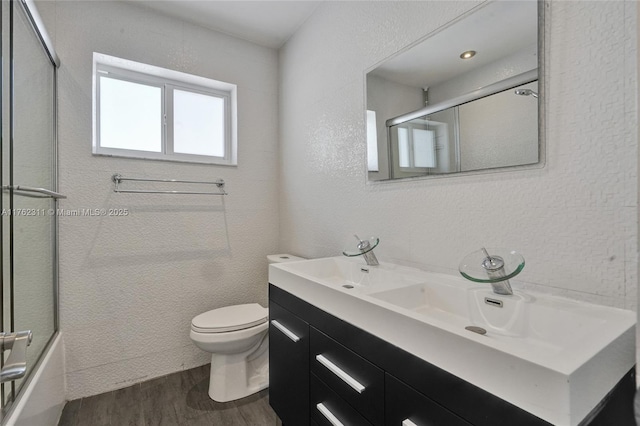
pixel 177 399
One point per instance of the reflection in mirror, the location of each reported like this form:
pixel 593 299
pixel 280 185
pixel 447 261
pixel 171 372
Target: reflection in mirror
pixel 431 112
pixel 468 136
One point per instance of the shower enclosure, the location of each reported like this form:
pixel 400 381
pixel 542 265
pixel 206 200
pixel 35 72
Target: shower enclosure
pixel 28 249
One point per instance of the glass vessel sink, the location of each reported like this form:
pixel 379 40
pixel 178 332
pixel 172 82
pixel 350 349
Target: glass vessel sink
pixel 474 266
pixel 352 250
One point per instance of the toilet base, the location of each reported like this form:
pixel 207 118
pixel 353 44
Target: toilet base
pixel 237 376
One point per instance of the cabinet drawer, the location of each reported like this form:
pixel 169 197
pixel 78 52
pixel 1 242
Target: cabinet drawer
pixel 288 366
pixel 328 409
pixel 407 407
pixel 353 378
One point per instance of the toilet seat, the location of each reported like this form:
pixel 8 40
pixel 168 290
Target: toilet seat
pixel 230 318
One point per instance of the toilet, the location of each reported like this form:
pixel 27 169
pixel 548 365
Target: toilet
pixel 237 338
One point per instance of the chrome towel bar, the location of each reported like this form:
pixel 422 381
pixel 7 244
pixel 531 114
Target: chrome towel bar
pixel 29 191
pixel 118 179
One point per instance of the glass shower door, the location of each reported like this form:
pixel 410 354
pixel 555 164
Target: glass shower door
pixel 29 259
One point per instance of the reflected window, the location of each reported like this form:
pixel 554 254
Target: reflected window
pixel 372 142
pixel 416 147
pixel 424 148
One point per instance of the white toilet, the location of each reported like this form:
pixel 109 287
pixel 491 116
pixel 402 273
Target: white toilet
pixel 236 336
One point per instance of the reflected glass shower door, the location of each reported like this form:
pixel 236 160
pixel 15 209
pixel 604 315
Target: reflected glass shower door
pixel 29 259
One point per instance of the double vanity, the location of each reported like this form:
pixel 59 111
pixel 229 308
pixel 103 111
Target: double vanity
pixel 352 344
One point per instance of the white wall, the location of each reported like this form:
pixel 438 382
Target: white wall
pixel 129 286
pixel 574 220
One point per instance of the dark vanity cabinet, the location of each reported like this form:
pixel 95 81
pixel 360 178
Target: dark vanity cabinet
pixel 406 406
pixel 324 371
pixel 288 366
pixel 353 379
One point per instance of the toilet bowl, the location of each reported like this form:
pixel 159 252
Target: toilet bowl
pixel 237 338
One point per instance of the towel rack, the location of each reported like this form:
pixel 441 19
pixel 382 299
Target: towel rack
pixel 118 179
pixel 29 191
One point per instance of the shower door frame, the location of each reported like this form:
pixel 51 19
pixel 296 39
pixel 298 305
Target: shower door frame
pixel 12 393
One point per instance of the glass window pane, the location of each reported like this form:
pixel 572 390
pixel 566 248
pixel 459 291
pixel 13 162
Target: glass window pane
pixel 424 148
pixel 403 147
pixel 130 115
pixel 372 142
pixel 198 124
pixel 30 304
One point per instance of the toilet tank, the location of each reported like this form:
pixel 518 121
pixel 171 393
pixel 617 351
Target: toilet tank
pixel 284 257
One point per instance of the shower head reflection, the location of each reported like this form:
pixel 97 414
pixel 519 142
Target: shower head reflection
pixel 526 92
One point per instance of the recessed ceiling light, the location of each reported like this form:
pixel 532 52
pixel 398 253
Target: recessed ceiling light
pixel 468 54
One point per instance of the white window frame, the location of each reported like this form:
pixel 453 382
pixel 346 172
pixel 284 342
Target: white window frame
pixel 167 81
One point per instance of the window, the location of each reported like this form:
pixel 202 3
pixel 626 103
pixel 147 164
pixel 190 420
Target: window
pixel 149 112
pixel 372 142
pixel 416 147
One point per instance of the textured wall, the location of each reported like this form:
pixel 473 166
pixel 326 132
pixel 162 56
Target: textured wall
pixel 129 286
pixel 574 220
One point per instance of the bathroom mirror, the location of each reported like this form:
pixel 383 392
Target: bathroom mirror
pixel 431 111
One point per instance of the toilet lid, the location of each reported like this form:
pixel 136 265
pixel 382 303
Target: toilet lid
pixel 230 318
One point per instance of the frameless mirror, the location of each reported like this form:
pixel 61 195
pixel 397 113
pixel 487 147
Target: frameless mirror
pixel 464 99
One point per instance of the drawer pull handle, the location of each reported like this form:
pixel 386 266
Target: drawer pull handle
pixel 407 422
pixel 328 415
pixel 285 330
pixel 356 385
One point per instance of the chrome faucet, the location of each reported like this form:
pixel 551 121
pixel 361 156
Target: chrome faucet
pixel 494 265
pixel 367 252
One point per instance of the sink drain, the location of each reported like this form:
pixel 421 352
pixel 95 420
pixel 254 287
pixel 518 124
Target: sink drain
pixel 349 286
pixel 475 329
